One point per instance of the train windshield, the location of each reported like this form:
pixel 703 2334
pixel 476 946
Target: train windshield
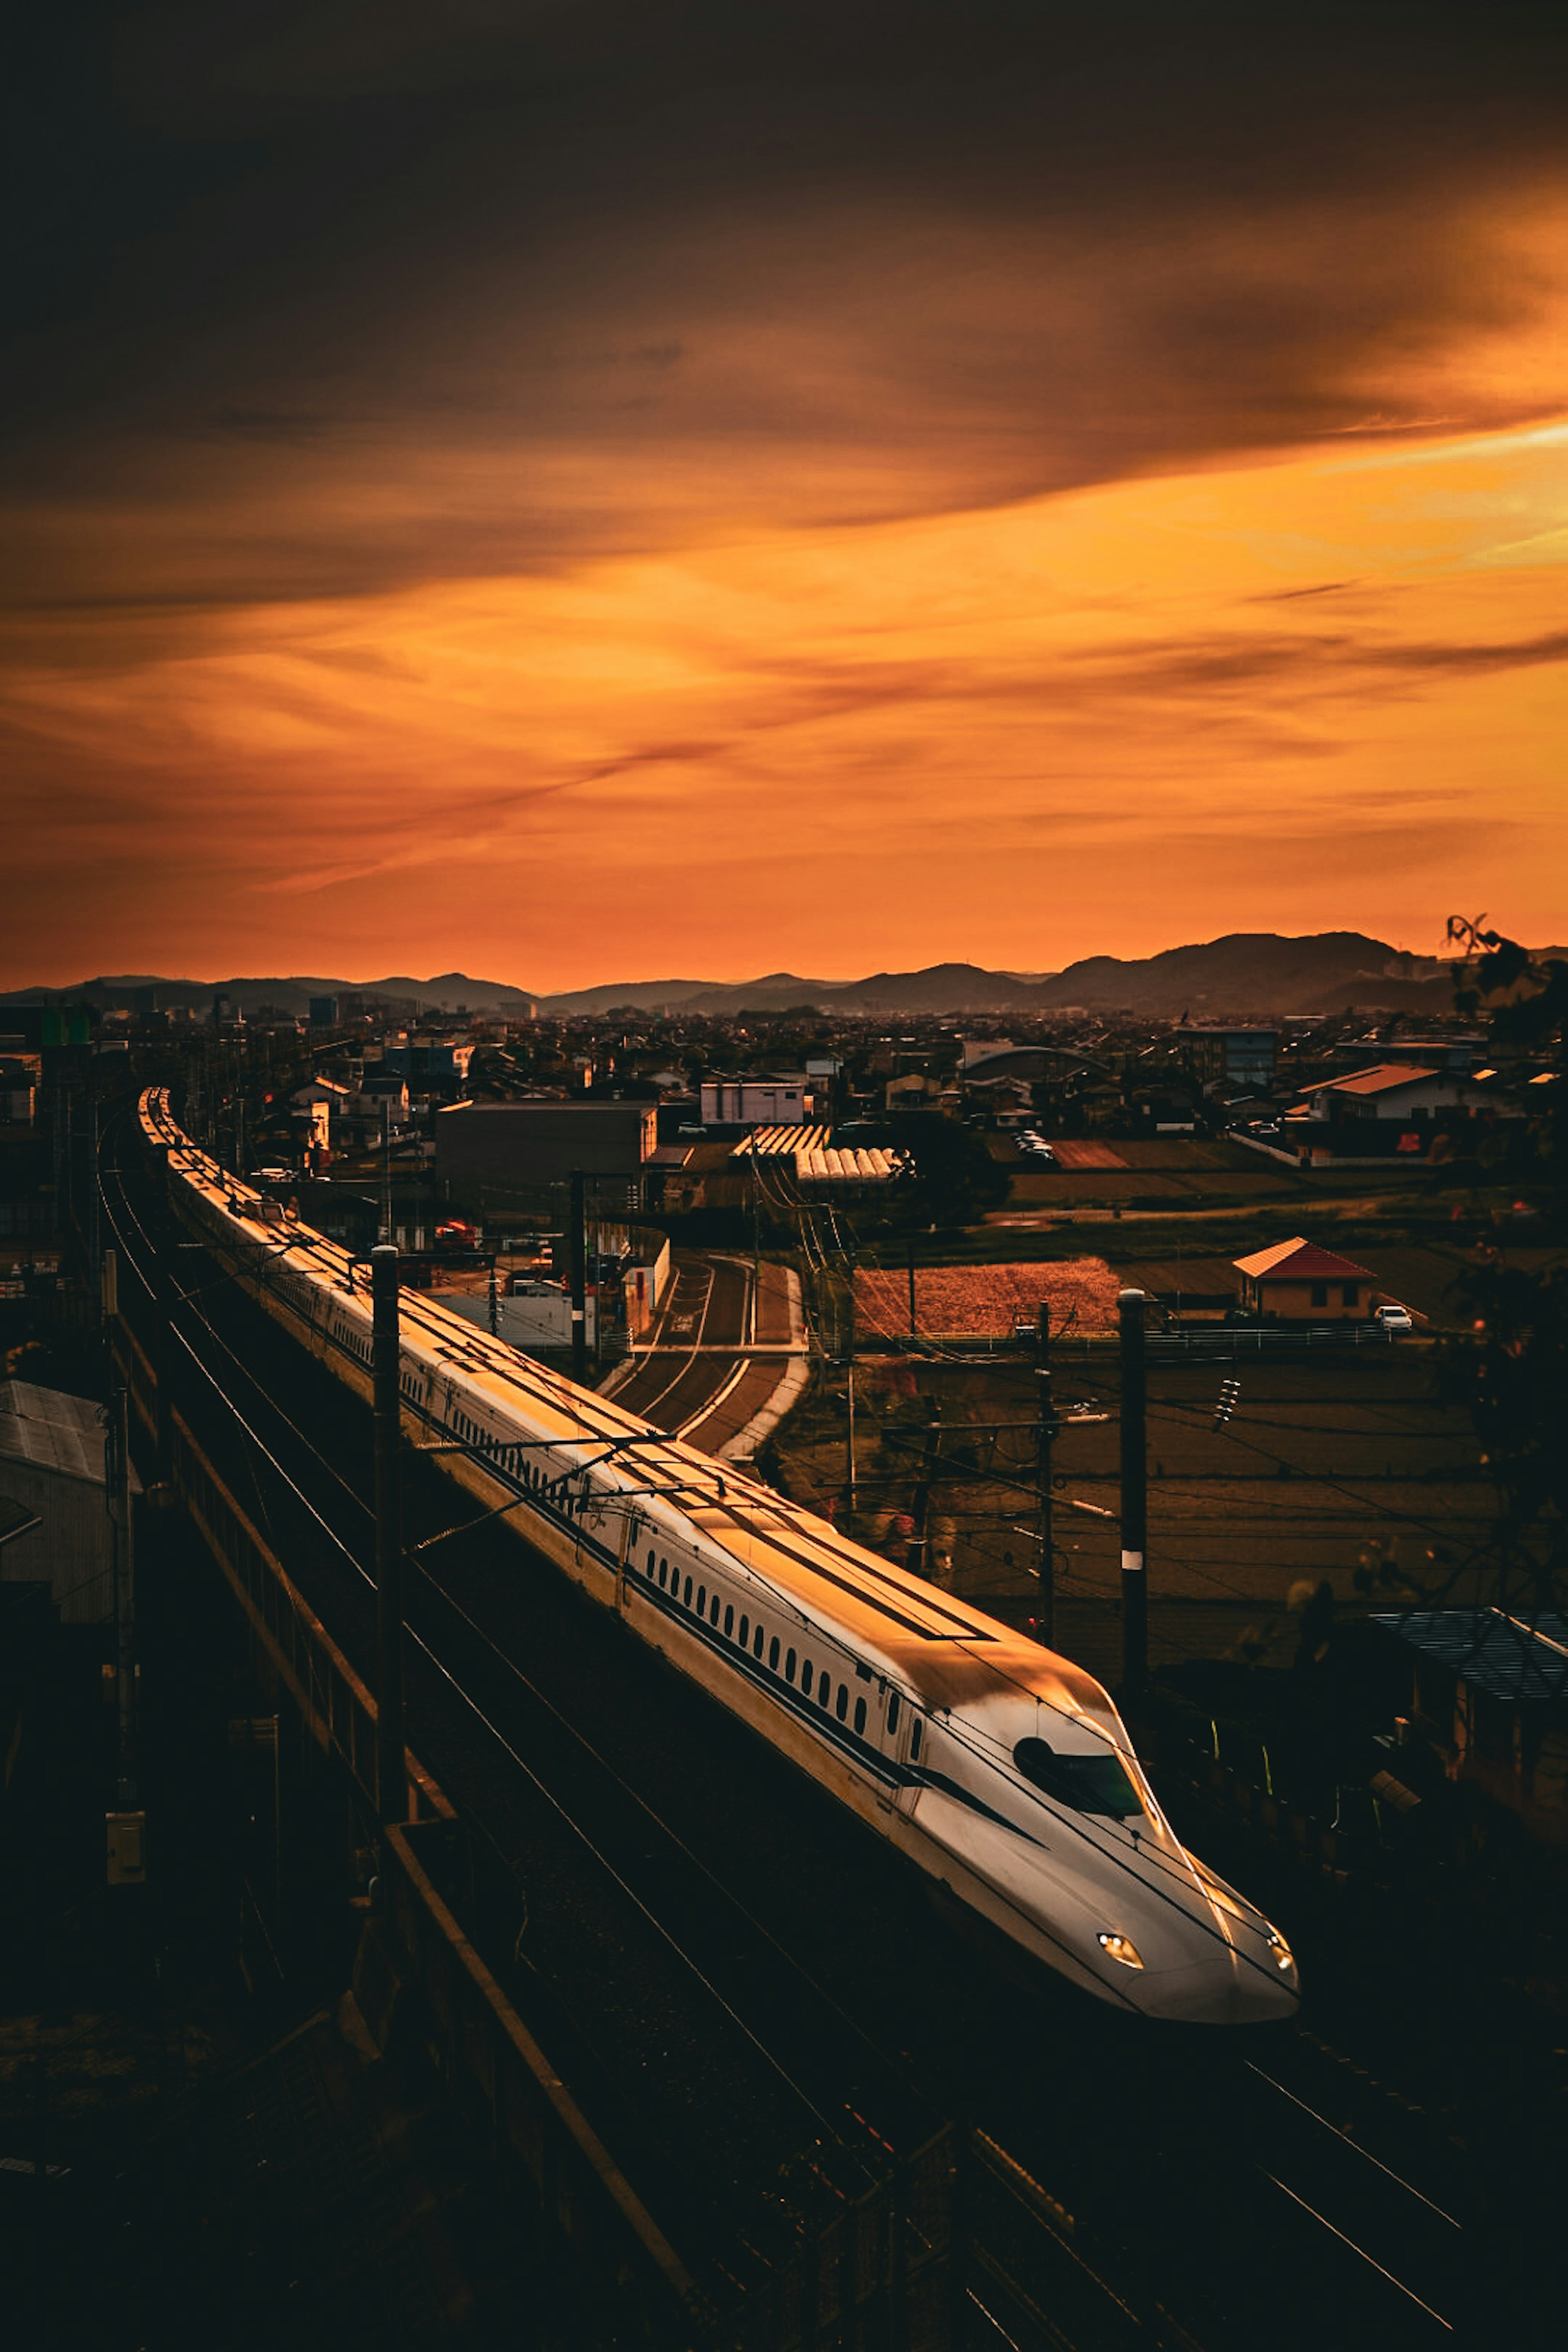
pixel 1089 1784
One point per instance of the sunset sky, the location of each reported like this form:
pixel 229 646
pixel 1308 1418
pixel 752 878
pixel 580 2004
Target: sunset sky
pixel 574 492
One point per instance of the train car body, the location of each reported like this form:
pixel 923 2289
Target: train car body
pixel 1000 1769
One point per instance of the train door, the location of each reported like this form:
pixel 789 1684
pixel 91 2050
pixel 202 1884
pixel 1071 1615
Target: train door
pixel 626 1559
pixel 901 1730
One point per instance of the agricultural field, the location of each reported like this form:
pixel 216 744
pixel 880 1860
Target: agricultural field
pixel 1343 1470
pixel 986 1301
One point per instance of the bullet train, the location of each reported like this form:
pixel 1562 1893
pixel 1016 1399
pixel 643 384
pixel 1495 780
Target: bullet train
pixel 1000 1769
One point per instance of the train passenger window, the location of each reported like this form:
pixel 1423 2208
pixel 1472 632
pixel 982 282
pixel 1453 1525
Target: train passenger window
pixel 663 1573
pixel 859 1715
pixel 757 1644
pixel 842 1709
pixel 789 1667
pixel 688 1595
pixel 806 1677
pixel 729 1620
pixel 745 1630
pixel 892 1710
pixel 915 1736
pixel 650 1560
pixel 824 1688
pixel 772 1653
pixel 702 1598
pixel 713 1608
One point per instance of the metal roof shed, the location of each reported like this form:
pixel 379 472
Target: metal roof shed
pixel 51 1463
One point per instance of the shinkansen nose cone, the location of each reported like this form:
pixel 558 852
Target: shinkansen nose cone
pixel 1227 1988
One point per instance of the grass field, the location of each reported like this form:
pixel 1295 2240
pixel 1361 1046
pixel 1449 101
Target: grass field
pixel 1329 1469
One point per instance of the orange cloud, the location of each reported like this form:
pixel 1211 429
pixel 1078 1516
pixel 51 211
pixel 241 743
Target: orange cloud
pixel 1318 693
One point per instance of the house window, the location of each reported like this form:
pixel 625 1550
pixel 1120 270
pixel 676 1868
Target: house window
pixel 1319 1294
pixel 1350 1294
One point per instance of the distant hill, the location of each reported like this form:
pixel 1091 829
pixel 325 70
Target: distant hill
pixel 292 994
pixel 1254 972
pixel 1247 975
pixel 1250 972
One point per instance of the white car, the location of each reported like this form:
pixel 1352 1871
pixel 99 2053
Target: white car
pixel 1393 1317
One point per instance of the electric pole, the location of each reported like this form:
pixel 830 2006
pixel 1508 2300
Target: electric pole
pixel 577 1241
pixel 1134 1498
pixel 915 1557
pixel 1046 1429
pixel 391 1769
pixel 117 1453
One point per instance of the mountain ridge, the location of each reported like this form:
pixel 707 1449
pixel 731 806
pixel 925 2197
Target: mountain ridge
pixel 1241 974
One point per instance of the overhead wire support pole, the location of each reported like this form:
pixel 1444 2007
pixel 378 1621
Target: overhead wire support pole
pixel 1045 1432
pixel 391 1766
pixel 118 1469
pixel 1134 1496
pixel 915 1556
pixel 577 1243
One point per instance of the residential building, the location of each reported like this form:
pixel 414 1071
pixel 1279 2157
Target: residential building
pixel 1236 1057
pixel 766 1099
pixel 1389 1111
pixel 524 1146
pixel 1489 1705
pixel 1299 1282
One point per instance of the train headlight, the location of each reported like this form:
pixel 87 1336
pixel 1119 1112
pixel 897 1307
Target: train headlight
pixel 1120 1947
pixel 1284 1958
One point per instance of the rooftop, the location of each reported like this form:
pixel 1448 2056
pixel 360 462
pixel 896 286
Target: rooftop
pixel 51 1431
pixel 1508 1656
pixel 1301 1261
pixel 1384 1078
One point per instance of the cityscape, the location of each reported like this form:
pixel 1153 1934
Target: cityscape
pixel 872 1658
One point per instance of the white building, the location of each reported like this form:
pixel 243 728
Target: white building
pixel 762 1101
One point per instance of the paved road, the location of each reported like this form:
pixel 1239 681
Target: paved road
pixel 717 1352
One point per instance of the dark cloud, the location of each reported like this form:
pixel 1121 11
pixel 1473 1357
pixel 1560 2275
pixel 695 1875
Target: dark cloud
pixel 311 298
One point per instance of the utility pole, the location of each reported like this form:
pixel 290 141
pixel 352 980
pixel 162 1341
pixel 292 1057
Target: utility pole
pixel 391 1769
pixel 850 1365
pixel 914 1324
pixel 117 1464
pixel 126 1824
pixel 577 1241
pixel 1134 1498
pixel 853 1500
pixel 1046 1429
pixel 756 1250
pixel 915 1557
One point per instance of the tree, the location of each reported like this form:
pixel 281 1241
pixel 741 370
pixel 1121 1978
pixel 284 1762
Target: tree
pixel 1511 1368
pixel 953 1178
